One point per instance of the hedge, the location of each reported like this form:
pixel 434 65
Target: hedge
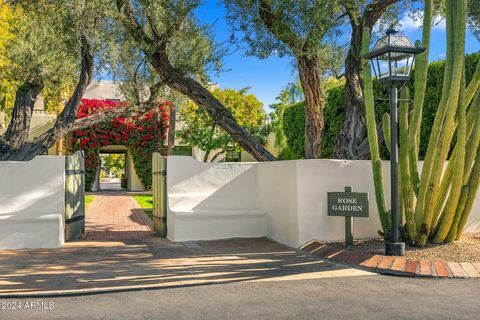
pixel 334 112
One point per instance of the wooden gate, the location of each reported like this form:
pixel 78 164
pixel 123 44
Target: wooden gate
pixel 74 195
pixel 159 190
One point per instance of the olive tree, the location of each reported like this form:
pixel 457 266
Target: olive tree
pixel 155 27
pixel 362 15
pixel 71 37
pixel 304 30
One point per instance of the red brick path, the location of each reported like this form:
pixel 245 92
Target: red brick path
pixel 116 217
pixel 393 265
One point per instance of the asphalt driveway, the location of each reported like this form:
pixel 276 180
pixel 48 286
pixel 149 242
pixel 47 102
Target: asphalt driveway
pixel 363 297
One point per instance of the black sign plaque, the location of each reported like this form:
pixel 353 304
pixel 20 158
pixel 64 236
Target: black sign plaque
pixel 347 204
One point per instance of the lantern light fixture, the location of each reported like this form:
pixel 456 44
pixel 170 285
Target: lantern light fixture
pixel 393 56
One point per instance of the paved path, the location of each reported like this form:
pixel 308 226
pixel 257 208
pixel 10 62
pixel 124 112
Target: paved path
pixel 379 297
pixel 116 217
pixel 88 266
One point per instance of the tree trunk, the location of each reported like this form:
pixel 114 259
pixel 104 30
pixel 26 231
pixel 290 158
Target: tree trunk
pixel 354 129
pixel 205 157
pixel 218 154
pixel 69 144
pixel 314 103
pixel 59 147
pixel 171 129
pixel 203 98
pixel 18 129
pixel 65 122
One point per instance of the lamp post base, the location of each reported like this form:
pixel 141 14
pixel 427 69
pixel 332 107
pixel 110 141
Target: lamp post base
pixel 394 248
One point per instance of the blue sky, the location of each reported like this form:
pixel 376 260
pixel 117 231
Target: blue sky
pixel 267 77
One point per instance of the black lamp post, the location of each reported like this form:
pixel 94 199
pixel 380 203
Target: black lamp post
pixel 392 59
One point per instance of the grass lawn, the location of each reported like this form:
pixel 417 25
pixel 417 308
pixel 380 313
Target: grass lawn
pixel 146 203
pixel 88 200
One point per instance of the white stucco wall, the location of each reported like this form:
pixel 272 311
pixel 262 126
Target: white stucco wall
pixel 133 181
pixel 212 201
pixel 284 200
pixel 32 205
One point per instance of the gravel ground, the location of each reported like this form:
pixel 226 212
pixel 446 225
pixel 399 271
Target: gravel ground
pixel 467 249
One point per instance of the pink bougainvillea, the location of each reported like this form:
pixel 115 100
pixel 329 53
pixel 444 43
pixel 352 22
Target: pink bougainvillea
pixel 142 135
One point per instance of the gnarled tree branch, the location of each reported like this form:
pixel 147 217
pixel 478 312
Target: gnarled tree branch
pixel 156 54
pixel 39 145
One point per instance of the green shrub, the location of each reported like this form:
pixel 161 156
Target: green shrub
pixel 294 127
pixel 294 124
pixel 334 112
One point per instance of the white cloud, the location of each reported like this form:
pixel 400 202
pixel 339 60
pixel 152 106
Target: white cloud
pixel 410 24
pixel 407 23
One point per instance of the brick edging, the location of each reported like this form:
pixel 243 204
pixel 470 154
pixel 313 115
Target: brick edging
pixel 400 266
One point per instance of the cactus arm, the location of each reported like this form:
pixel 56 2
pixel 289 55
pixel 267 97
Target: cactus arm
pixel 386 130
pixel 452 233
pixel 420 86
pixel 413 165
pixel 447 227
pixel 455 106
pixel 373 138
pixel 473 85
pixel 444 187
pixel 405 181
pixel 472 169
pixel 442 138
pixel 473 184
pixel 435 132
pixel 473 135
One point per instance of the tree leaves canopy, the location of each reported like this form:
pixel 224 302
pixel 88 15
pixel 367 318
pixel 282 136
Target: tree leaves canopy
pixel 201 131
pixel 296 27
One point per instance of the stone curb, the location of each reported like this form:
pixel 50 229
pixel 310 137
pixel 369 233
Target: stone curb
pixel 398 266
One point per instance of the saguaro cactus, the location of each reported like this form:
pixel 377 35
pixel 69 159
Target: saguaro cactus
pixel 437 202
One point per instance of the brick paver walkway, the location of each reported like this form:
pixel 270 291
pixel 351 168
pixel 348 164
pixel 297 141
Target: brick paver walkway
pixel 393 265
pixel 116 217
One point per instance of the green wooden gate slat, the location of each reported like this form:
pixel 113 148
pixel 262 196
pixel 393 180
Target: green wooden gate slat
pixel 74 195
pixel 159 191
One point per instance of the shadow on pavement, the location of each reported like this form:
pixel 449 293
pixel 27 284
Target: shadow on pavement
pixel 83 266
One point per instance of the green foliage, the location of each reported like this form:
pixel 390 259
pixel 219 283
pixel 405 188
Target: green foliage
pixel 88 201
pixel 202 132
pixel 43 50
pixel 294 122
pixel 334 116
pixel 191 50
pixel 296 26
pixel 9 19
pixel 335 110
pixel 114 163
pixel 293 126
pixel 474 17
pixel 146 203
pixel 291 94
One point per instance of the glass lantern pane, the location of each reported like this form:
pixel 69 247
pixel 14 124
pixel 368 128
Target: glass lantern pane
pixel 401 64
pixel 382 66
